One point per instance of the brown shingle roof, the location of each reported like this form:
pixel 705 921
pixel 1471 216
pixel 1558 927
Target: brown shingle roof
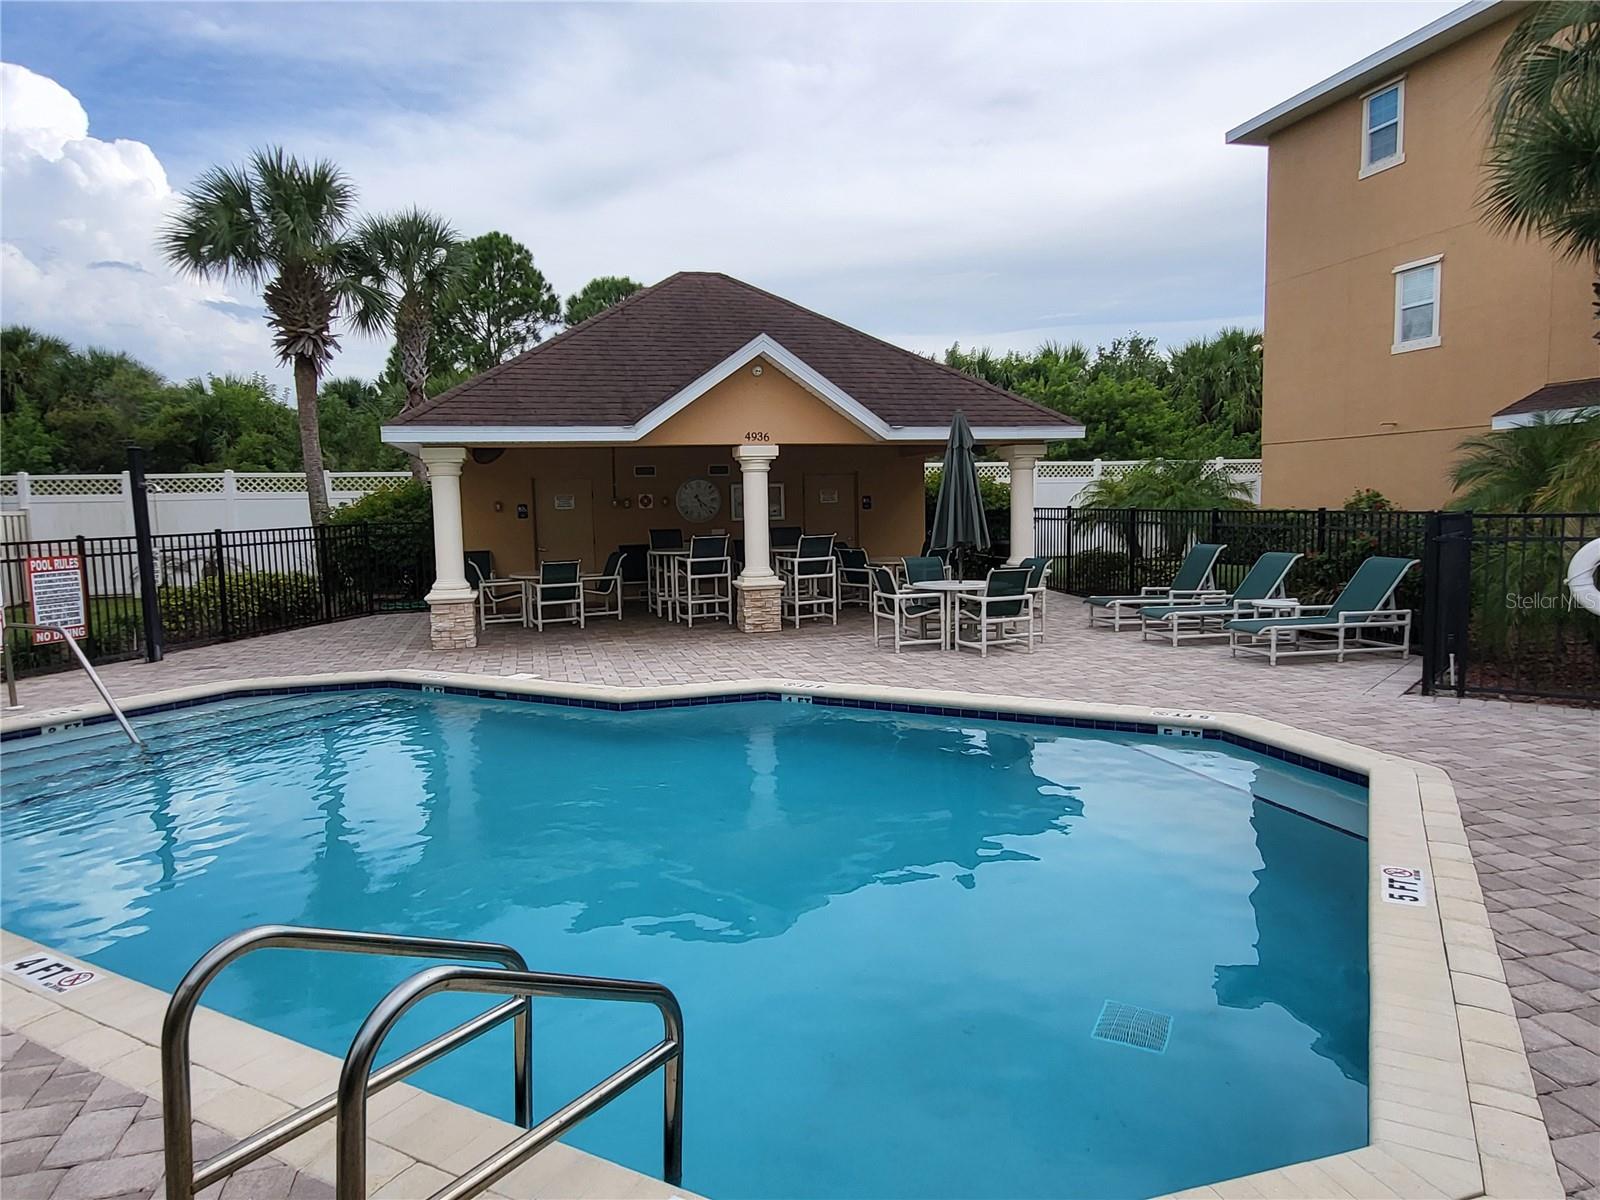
pixel 1554 397
pixel 616 367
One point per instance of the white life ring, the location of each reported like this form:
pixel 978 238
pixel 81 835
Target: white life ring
pixel 1580 576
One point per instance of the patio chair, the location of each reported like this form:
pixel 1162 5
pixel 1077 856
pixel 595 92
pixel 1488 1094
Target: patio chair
pixel 1000 609
pixel 855 576
pixel 606 588
pixel 500 601
pixel 704 584
pixel 666 539
pixel 635 570
pixel 1192 584
pixel 784 537
pixel 559 589
pixel 1365 605
pixel 925 568
pixel 907 612
pixel 1038 573
pixel 810 577
pixel 1264 581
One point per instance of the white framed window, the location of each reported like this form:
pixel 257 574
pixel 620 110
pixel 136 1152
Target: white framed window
pixel 1383 128
pixel 1416 305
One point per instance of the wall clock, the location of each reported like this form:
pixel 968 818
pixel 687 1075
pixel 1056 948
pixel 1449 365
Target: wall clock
pixel 698 499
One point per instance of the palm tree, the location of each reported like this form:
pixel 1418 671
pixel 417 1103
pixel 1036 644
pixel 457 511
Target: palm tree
pixel 1221 377
pixel 1543 161
pixel 408 261
pixel 279 223
pixel 1169 483
pixel 1548 466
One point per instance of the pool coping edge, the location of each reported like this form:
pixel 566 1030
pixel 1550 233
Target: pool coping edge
pixel 1451 1103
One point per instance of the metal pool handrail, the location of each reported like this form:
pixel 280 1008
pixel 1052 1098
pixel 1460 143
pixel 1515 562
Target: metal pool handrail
pixel 177 1111
pixel 83 661
pixel 357 1079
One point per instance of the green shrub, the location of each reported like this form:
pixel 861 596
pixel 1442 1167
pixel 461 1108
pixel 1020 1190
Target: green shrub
pixel 1368 500
pixel 256 600
pixel 411 503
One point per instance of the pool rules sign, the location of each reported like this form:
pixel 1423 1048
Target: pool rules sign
pixel 55 597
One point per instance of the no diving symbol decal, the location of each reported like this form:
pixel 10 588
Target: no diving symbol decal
pixel 51 974
pixel 1403 885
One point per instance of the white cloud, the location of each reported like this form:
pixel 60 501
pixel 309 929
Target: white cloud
pixel 987 173
pixel 78 257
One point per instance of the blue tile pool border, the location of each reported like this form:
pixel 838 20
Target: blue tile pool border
pixel 969 712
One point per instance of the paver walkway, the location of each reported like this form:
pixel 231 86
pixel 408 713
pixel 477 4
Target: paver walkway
pixel 1527 776
pixel 69 1133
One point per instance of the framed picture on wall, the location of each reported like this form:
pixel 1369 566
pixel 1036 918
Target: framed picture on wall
pixel 775 506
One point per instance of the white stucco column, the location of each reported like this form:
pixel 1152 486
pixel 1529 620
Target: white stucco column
pixel 760 590
pixel 1023 460
pixel 453 623
pixel 755 464
pixel 449 565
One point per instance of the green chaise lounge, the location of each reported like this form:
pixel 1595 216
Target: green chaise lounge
pixel 1192 584
pixel 1189 622
pixel 1367 603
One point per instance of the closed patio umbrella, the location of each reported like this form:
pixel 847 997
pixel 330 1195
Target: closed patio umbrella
pixel 958 518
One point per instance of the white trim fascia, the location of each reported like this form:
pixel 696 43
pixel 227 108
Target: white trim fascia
pixel 1432 37
pixel 1522 419
pixel 761 346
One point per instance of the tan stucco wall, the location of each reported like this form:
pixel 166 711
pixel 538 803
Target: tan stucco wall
pixel 770 404
pixel 1341 412
pixel 890 475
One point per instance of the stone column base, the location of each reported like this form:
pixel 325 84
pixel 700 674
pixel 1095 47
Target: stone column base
pixel 453 624
pixel 760 606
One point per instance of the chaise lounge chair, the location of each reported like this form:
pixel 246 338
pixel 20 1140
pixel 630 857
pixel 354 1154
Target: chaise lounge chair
pixel 1192 585
pixel 1365 604
pixel 1263 582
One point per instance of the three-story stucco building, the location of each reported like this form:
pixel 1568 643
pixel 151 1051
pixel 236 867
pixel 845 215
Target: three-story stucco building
pixel 1398 323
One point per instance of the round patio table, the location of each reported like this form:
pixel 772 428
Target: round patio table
pixel 947 591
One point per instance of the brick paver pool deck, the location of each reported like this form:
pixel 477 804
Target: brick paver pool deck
pixel 1527 776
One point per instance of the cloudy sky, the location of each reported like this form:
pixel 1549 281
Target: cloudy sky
pixel 991 174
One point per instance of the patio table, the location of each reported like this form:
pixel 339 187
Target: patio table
pixel 662 577
pixel 947 590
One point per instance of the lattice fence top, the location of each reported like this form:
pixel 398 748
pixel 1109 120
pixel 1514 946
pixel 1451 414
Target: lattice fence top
pixel 1083 468
pixel 8 485
pixel 253 484
pixel 367 482
pixel 186 485
pixel 75 485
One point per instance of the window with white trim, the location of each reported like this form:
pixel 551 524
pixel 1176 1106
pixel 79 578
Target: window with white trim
pixel 1383 128
pixel 1416 305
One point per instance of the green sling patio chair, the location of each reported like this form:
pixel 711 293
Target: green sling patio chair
pixel 1365 605
pixel 1190 622
pixel 1000 615
pixel 855 575
pixel 602 593
pixel 1038 572
pixel 924 568
pixel 558 589
pixel 1192 585
pixel 907 612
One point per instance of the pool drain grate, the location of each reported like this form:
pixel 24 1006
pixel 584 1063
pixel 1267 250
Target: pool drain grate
pixel 1130 1025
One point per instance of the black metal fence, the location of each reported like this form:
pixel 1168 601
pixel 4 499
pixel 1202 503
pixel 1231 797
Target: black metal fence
pixel 1494 614
pixel 220 586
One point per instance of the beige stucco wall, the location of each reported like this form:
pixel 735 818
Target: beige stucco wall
pixel 1342 412
pixel 769 404
pixel 890 475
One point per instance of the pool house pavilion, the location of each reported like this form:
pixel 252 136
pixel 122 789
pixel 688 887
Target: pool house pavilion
pixel 701 405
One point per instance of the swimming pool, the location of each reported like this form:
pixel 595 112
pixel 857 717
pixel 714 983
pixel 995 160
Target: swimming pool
pixel 894 934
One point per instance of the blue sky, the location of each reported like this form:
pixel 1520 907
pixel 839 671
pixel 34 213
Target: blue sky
pixel 990 174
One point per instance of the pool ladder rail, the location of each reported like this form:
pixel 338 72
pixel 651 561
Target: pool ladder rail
pixel 83 661
pixel 506 974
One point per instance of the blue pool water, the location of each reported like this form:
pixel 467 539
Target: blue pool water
pixel 892 934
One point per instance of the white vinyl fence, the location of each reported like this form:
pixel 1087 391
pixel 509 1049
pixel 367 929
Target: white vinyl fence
pixel 1058 484
pixel 44 507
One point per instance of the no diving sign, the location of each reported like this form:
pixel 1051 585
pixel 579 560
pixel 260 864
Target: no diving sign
pixel 51 974
pixel 1403 885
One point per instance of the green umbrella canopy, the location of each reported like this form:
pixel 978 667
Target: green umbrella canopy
pixel 958 515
